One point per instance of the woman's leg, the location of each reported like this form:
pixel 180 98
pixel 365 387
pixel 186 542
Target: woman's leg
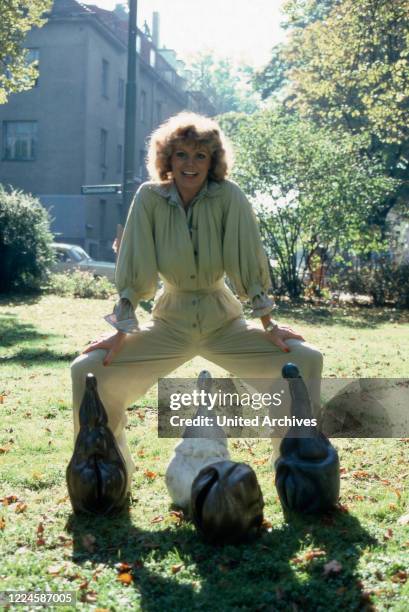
pixel 245 351
pixel 152 353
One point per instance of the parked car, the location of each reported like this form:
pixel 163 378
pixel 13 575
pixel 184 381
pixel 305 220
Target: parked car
pixel 73 257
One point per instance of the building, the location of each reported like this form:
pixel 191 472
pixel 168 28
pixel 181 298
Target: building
pixel 68 130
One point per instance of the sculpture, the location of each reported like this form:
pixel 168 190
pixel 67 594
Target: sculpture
pixel 307 471
pixel 200 446
pixel 227 503
pixel 96 475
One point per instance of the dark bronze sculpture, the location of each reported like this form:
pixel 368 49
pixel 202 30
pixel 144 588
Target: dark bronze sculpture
pixel 307 471
pixel 96 474
pixel 227 502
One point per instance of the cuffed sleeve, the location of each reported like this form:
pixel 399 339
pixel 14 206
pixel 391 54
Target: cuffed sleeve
pixel 123 317
pixel 136 273
pixel 262 305
pixel 244 258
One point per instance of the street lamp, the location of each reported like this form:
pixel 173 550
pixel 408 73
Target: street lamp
pixel 130 115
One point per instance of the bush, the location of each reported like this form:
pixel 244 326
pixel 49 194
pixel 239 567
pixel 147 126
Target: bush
pixel 80 285
pixel 385 281
pixel 25 241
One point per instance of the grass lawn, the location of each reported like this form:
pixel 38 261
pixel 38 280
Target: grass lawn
pixel 154 549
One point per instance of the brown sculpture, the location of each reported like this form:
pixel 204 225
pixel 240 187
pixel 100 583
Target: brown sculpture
pixel 307 471
pixel 227 502
pixel 96 474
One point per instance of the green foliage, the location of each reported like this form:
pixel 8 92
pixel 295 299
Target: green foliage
pixel 17 18
pixel 387 282
pixel 80 284
pixel 345 65
pixel 25 241
pixel 225 85
pixel 314 192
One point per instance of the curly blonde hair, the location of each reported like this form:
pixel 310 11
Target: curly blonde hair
pixel 189 128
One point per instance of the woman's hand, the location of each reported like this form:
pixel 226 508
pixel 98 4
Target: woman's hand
pixel 113 344
pixel 281 333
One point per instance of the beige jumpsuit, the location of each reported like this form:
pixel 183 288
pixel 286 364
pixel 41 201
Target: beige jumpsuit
pixel 194 313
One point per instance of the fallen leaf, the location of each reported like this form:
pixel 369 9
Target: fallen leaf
pixel 176 568
pixel 125 578
pixel 267 525
pixel 332 567
pixel 21 507
pixel 141 453
pixel 9 499
pixel 40 542
pixel 2 523
pixel 404 519
pixel 83 585
pixel 360 474
pixel 123 567
pixel 5 449
pixel 260 461
pixel 40 529
pixel 157 519
pixel 400 576
pixel 314 553
pixel 388 535
pixel 149 474
pixel 88 542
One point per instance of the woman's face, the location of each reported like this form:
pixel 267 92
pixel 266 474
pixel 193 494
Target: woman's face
pixel 190 166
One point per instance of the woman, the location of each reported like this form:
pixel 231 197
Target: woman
pixel 189 226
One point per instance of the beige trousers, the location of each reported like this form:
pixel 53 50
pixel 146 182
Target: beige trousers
pixel 159 348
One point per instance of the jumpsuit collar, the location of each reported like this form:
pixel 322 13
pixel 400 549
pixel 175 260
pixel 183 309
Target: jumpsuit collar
pixel 170 192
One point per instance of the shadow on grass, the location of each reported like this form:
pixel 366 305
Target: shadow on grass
pixel 18 299
pixel 14 333
pixel 256 576
pixel 351 317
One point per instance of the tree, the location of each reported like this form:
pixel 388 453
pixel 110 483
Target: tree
pixel 222 83
pixel 346 67
pixel 25 241
pixel 314 192
pixel 16 19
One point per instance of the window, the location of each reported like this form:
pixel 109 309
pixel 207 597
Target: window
pixel 152 57
pixel 143 106
pixel 33 57
pixel 103 148
pixel 105 78
pixel 119 159
pixel 138 43
pixel 121 93
pixel 102 218
pixel 141 169
pixel 158 112
pixel 19 140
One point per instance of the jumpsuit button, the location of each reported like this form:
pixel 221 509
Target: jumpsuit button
pixel 192 276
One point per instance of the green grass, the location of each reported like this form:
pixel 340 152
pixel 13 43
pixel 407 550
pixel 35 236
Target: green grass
pixel 171 568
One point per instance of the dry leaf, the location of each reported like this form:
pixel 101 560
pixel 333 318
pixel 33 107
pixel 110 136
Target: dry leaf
pixel 141 453
pixel 388 535
pixel 400 576
pixel 2 523
pixel 88 542
pixel 9 499
pixel 360 474
pixel 404 519
pixel 125 578
pixel 40 529
pixel 314 553
pixel 123 567
pixel 260 461
pixel 150 475
pixel 332 567
pixel 5 449
pixel 157 519
pixel 40 542
pixel 21 507
pixel 176 568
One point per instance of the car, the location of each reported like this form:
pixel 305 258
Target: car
pixel 69 257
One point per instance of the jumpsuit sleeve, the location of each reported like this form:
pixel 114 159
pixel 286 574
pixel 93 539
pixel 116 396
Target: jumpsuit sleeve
pixel 245 261
pixel 136 272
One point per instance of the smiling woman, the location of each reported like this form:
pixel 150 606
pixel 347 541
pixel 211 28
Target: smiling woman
pixel 189 226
